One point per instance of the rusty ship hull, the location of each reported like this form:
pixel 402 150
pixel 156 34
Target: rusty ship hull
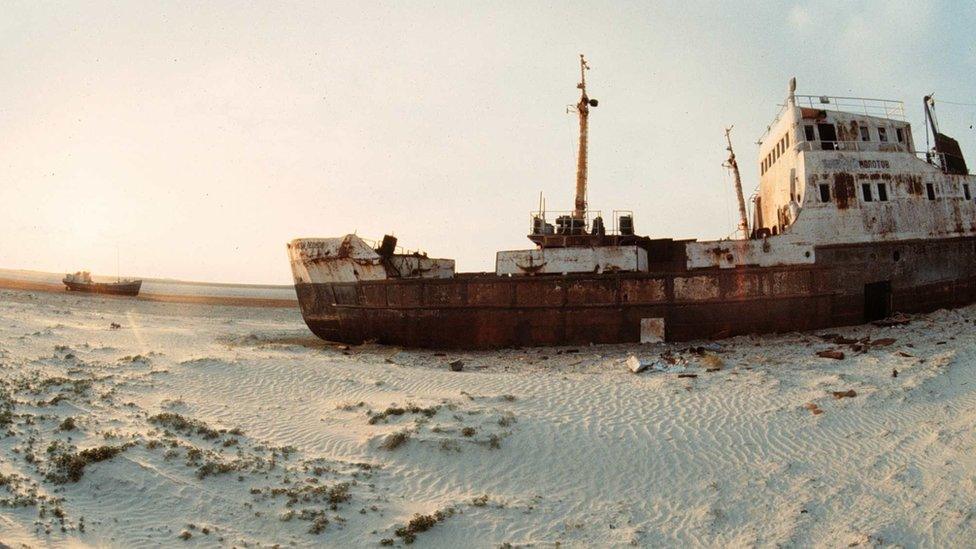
pixel 848 284
pixel 128 288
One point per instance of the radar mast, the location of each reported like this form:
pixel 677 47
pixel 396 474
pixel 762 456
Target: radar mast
pixel 583 108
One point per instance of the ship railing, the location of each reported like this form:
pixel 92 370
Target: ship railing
pixel 560 222
pixel 398 250
pixel 554 221
pixel 882 108
pixel 853 145
pixel 940 160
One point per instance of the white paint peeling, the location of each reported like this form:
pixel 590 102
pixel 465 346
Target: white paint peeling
pixel 571 260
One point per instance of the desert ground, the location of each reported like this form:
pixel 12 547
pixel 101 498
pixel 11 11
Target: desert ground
pixel 133 423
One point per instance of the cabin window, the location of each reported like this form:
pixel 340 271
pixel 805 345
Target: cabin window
pixel 882 192
pixel 824 193
pixel 865 134
pixel 828 136
pixel 930 191
pixel 901 134
pixel 787 139
pixel 965 191
pixel 882 134
pixel 808 133
pixel 866 191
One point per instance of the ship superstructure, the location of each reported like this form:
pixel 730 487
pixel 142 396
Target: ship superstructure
pixel 850 223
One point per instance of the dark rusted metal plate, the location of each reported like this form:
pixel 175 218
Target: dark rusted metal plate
pixel 486 311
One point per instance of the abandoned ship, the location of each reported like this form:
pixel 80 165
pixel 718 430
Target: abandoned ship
pixel 82 281
pixel 849 224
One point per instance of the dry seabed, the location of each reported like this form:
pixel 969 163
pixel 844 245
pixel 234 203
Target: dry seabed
pixel 201 425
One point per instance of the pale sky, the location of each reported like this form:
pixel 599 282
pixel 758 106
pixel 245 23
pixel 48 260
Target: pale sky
pixel 200 137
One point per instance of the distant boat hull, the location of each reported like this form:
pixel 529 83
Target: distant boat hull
pixel 130 288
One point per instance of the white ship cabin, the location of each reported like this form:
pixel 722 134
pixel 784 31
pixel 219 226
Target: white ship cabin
pixel 838 170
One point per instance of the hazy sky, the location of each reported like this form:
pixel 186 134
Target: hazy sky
pixel 200 137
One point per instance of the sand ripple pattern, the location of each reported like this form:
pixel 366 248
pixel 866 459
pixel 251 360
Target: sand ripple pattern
pixel 589 454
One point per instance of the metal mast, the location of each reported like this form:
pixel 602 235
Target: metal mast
pixel 583 107
pixel 734 166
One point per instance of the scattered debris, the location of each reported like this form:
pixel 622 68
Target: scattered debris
pixel 637 365
pixel 688 375
pixel 904 354
pixel 457 365
pixel 883 342
pixel 837 339
pixel 712 362
pixel 813 408
pixel 894 372
pixel 850 393
pixel 898 319
pixel 831 353
pixel 114 326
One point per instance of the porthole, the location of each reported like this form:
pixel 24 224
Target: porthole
pixel 806 254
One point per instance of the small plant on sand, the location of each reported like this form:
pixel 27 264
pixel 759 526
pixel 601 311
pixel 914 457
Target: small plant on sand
pixel 318 519
pixel 468 432
pixel 494 442
pixel 214 468
pixel 175 422
pixel 67 466
pixel 506 420
pixel 395 440
pixel 420 523
pixel 68 424
pixel 428 412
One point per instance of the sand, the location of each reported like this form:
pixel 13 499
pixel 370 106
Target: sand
pixel 229 426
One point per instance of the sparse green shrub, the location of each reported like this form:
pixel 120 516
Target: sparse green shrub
pixel 67 466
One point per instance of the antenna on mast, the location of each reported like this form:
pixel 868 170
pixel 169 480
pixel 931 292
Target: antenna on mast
pixel 583 108
pixel 734 166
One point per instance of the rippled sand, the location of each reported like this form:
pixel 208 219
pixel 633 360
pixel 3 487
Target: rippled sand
pixel 268 435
